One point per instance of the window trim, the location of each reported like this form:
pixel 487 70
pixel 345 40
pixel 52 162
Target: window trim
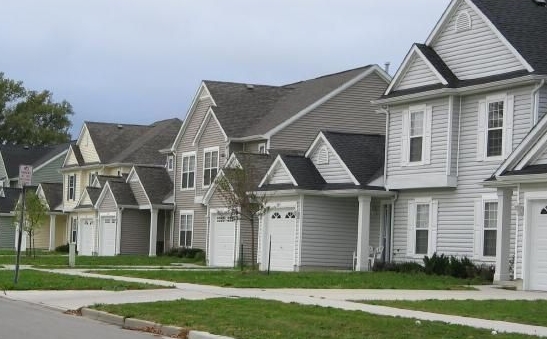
pixel 432 227
pixel 427 203
pixel 406 125
pixel 416 110
pixel 188 155
pixel 181 214
pixel 170 163
pixel 71 188
pixel 491 99
pixel 205 151
pixel 487 198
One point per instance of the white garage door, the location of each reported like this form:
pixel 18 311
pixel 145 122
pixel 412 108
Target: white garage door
pixel 538 247
pixel 107 236
pixel 281 231
pixel 223 240
pixel 86 237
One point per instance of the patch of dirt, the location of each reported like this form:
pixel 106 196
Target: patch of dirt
pixel 77 312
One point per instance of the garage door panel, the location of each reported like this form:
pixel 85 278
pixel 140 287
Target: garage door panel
pixel 538 251
pixel 223 241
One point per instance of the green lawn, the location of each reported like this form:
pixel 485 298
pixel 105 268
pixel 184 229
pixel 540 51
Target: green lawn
pixel 254 319
pixel 350 280
pixel 36 280
pixel 93 261
pixel 518 311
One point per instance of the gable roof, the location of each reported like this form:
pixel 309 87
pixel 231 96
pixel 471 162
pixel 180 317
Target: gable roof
pixel 363 154
pixel 303 171
pixel 133 144
pixel 9 200
pixel 122 193
pixel 102 179
pixel 15 155
pixel 53 192
pixel 156 182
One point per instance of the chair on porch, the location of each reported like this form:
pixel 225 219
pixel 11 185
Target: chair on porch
pixel 373 255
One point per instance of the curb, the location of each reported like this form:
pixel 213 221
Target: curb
pixel 146 326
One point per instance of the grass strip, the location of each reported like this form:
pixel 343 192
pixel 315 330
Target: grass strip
pixel 531 312
pixel 36 280
pixel 327 280
pixel 119 260
pixel 254 319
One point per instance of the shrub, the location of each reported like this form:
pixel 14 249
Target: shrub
pixel 399 267
pixel 183 252
pixel 62 248
pixel 437 264
pixel 462 268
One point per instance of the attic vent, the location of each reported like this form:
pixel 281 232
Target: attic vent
pixel 249 86
pixel 323 156
pixel 541 3
pixel 463 22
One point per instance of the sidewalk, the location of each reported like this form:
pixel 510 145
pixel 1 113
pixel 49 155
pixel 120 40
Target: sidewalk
pixel 326 298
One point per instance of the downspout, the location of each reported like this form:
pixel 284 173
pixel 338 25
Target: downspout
pixel 516 234
pixel 535 108
pixel 459 138
pixel 172 240
pixel 392 226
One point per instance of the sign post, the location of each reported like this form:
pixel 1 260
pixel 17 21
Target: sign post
pixel 25 178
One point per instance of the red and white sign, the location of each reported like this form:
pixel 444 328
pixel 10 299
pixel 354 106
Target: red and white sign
pixel 25 175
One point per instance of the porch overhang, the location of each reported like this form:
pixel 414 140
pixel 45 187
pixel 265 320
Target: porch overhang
pixel 344 193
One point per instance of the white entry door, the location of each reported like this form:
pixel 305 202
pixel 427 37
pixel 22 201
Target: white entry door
pixel 537 260
pixel 107 236
pixel 281 235
pixel 223 240
pixel 86 233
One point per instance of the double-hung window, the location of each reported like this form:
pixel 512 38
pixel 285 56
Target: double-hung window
pixel 170 163
pixel 495 129
pixel 210 165
pixel 188 176
pixel 71 187
pixel 185 228
pixel 74 230
pixel 422 229
pixel 416 136
pixel 490 228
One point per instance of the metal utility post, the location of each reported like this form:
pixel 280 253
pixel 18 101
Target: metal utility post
pixel 25 178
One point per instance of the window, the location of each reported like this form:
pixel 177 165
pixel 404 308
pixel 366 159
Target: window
pixel 92 177
pixel 186 228
pixel 170 161
pixel 495 129
pixel 188 171
pixel 262 148
pixel 276 215
pixel 290 215
pixel 490 228
pixel 71 187
pixel 210 166
pixel 416 136
pixel 74 230
pixel 422 229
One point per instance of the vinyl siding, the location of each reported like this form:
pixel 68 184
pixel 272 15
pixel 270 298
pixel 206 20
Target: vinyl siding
pixel 138 192
pixel 455 137
pixel 3 172
pixel 542 159
pixel 542 102
pixel 86 200
pixel 252 147
pixel 49 173
pixel 71 159
pixel 87 148
pixel 135 232
pixel 280 176
pixel 418 74
pixel 439 132
pixel 7 233
pixel 456 207
pixel 329 232
pixel 349 111
pixel 473 53
pixel 333 172
pixel 108 204
pixel 41 236
pixel 60 231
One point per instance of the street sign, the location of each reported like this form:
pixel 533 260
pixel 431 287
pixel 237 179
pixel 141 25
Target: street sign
pixel 25 175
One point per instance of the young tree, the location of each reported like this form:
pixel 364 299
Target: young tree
pixel 34 216
pixel 30 117
pixel 237 185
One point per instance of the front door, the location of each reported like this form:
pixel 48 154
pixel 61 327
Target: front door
pixel 107 236
pixel 537 253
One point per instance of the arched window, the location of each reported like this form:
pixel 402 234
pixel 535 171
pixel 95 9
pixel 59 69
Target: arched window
pixel 290 215
pixel 463 22
pixel 276 215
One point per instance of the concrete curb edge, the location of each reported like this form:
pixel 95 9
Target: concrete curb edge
pixel 147 326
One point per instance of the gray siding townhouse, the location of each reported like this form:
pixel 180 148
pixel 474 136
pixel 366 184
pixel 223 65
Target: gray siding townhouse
pixel 233 117
pixel 327 209
pixel 8 200
pixel 105 153
pixel 463 110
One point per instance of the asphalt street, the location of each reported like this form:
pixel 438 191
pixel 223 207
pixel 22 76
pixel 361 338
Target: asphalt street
pixel 20 320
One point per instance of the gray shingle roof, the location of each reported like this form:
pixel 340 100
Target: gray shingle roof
pixel 9 201
pixel 93 193
pixel 304 172
pixel 256 164
pixel 156 182
pixel 15 155
pixel 363 154
pixel 134 144
pixel 245 110
pixel 122 193
pixel 53 193
pixel 104 178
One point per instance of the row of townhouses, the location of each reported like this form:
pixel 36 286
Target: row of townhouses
pixel 448 156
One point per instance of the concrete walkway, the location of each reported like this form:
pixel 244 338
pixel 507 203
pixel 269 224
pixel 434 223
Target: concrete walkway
pixel 321 297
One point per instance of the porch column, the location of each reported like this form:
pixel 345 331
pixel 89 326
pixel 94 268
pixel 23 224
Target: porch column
pixel 153 232
pixel 52 232
pixel 503 238
pixel 363 233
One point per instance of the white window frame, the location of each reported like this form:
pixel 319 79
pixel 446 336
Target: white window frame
pixel 431 229
pixel 479 226
pixel 188 155
pixel 212 179
pixel 74 230
pixel 427 111
pixel 412 112
pixel 71 189
pixel 186 213
pixel 262 148
pixel 507 129
pixel 170 163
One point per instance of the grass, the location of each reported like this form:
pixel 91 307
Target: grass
pixel 92 261
pixel 344 280
pixel 517 311
pixel 36 280
pixel 253 319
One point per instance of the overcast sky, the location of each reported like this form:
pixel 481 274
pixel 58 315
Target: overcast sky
pixel 137 61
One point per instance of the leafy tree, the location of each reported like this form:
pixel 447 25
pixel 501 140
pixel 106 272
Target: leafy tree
pixel 237 185
pixel 31 117
pixel 34 216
